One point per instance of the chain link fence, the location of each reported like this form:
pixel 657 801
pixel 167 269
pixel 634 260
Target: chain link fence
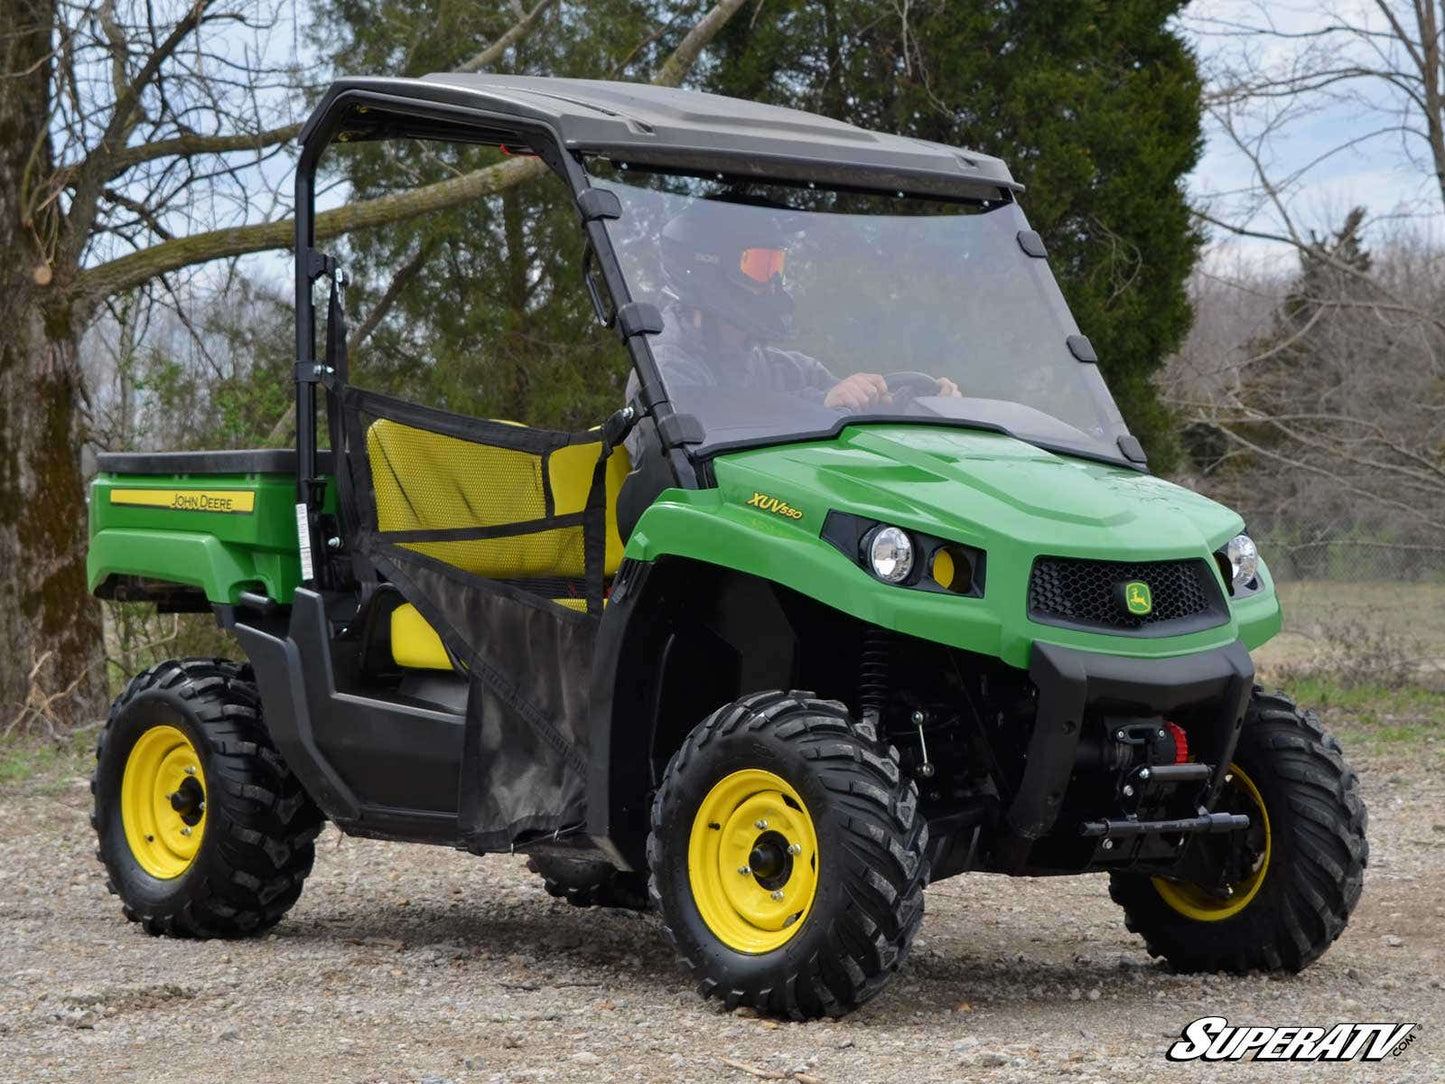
pixel 1328 547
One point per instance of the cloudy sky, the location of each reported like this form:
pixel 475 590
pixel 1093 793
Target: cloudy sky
pixel 1333 149
pixel 1330 151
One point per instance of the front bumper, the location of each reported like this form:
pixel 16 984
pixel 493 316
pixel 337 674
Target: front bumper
pixel 1214 684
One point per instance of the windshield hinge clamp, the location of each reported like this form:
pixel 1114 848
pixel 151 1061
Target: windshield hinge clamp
pixel 638 318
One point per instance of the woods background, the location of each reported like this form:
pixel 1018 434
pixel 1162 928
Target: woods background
pixel 1272 344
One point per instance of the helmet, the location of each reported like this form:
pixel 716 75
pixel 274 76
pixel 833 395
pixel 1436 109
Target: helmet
pixel 729 264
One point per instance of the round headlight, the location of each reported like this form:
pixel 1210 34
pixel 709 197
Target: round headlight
pixel 890 554
pixel 1243 559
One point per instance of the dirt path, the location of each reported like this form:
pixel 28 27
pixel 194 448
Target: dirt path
pixel 423 965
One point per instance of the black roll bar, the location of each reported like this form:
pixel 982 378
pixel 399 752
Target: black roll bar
pixel 311 264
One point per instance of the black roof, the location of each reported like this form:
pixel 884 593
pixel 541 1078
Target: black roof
pixel 687 130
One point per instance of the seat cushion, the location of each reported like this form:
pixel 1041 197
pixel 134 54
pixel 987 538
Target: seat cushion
pixel 417 646
pixel 414 643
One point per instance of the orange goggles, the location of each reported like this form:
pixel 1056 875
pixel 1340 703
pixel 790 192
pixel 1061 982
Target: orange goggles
pixel 761 264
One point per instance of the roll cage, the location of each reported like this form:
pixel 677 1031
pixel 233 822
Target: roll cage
pixel 561 121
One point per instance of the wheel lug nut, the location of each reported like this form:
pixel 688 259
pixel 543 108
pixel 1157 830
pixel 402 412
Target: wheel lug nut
pixel 185 831
pixel 201 808
pixel 745 871
pixel 795 848
pixel 760 824
pixel 777 893
pixel 190 769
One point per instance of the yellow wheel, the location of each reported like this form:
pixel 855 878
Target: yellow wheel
pixel 163 802
pixel 787 856
pixel 1203 905
pixel 183 765
pixel 752 861
pixel 1274 896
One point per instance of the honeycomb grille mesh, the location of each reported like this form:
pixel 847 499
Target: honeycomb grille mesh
pixel 1074 591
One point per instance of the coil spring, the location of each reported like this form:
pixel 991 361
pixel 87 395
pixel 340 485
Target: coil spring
pixel 873 673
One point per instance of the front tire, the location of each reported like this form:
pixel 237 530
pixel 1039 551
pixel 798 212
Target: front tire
pixel 203 830
pixel 1309 862
pixel 788 857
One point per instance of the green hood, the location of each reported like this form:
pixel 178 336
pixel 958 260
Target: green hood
pixel 973 486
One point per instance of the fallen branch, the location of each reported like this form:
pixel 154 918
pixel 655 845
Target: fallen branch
pixel 769 1074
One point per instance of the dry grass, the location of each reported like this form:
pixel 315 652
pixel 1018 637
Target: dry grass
pixel 1368 627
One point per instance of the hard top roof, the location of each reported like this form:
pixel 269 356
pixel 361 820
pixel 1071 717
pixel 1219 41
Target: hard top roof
pixel 688 130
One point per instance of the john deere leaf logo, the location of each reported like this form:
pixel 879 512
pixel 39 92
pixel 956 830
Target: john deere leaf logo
pixel 1137 598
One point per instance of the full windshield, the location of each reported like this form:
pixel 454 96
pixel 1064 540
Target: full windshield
pixel 790 312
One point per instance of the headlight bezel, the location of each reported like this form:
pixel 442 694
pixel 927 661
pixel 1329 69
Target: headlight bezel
pixel 933 557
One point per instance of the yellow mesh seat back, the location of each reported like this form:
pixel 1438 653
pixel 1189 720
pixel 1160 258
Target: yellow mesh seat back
pixel 430 481
pixel 570 471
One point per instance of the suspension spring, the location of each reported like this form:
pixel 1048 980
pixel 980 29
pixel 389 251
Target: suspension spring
pixel 873 673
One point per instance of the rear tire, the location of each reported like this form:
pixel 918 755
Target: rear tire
pixel 590 882
pixel 1313 871
pixel 813 779
pixel 249 847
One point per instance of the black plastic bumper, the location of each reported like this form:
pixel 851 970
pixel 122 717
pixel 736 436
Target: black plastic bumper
pixel 1071 682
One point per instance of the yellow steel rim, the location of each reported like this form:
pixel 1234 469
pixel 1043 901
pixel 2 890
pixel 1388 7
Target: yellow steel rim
pixel 1192 901
pixel 163 802
pixel 752 897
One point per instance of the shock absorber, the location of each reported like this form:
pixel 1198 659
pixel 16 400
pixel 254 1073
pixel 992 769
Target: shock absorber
pixel 873 670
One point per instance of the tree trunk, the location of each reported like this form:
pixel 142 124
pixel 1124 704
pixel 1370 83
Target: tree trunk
pixel 50 665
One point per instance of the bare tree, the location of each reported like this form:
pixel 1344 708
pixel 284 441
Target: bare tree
pixel 129 139
pixel 1383 59
pixel 1311 391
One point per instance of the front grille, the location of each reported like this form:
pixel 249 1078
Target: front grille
pixel 1077 593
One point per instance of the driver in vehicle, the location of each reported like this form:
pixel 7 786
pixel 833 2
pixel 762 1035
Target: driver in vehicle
pixel 728 305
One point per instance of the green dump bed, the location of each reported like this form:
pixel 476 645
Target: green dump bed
pixel 211 523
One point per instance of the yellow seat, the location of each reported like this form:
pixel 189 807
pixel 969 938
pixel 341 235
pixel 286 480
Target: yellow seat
pixel 425 481
pixel 414 643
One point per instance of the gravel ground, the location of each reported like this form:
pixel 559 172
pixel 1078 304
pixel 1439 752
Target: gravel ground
pixel 416 964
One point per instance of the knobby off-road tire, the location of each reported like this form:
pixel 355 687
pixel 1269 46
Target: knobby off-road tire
pixel 850 808
pixel 256 843
pixel 588 882
pixel 1316 861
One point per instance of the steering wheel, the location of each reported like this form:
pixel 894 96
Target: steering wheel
pixel 910 384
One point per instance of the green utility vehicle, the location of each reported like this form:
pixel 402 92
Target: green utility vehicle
pixel 865 452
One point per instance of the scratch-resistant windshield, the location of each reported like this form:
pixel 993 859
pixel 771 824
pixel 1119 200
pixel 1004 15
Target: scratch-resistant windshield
pixel 789 312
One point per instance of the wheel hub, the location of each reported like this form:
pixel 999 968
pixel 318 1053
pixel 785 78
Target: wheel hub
pixel 770 861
